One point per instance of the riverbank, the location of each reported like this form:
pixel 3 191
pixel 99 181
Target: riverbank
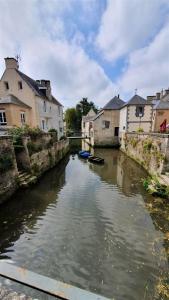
pixel 24 164
pixel 151 151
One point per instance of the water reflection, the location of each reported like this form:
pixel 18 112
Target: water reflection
pixel 90 225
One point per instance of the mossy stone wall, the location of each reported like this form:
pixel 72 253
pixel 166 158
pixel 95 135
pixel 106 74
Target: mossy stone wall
pixel 148 149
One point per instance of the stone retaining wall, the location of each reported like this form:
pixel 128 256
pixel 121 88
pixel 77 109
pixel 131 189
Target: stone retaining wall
pixel 151 150
pixel 8 168
pixel 36 156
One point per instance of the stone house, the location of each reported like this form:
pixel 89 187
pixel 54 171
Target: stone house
pixel 160 109
pixel 26 101
pixel 135 114
pixel 104 127
pixel 87 123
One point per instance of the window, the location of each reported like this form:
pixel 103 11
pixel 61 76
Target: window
pixel 20 85
pixel 6 85
pixel 43 124
pixel 116 131
pixel 139 111
pixel 83 124
pixel 124 127
pixel 106 124
pixel 3 118
pixel 44 106
pixel 22 117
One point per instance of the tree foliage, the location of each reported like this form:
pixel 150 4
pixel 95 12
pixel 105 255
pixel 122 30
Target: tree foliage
pixel 73 116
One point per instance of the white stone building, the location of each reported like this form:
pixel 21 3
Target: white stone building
pixel 136 114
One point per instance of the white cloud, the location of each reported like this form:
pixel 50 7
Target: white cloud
pixel 37 30
pixel 148 68
pixel 127 25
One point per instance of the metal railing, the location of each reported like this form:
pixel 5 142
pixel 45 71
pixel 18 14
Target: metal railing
pixel 45 284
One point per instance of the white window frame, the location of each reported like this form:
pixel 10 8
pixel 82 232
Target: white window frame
pixel 23 117
pixel 3 116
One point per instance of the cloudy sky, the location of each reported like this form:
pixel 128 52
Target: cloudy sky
pixel 89 48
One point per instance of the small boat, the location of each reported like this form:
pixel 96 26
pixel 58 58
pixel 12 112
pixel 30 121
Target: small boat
pixel 84 154
pixel 96 159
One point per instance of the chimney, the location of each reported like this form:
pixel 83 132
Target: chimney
pixel 11 63
pixel 118 96
pixel 158 96
pixel 45 87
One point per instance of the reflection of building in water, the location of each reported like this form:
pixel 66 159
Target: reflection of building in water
pixel 22 212
pixel 119 170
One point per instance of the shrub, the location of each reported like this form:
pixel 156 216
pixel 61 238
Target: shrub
pixel 147 145
pixel 140 130
pixel 63 137
pixel 6 162
pixel 33 148
pixel 54 134
pixel 52 130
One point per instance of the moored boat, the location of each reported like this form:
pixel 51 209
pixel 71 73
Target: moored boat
pixel 84 154
pixel 96 159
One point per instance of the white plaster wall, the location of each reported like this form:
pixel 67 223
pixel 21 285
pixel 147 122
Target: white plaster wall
pixel 53 116
pixel 123 120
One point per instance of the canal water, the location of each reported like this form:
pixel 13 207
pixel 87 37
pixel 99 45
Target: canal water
pixel 93 226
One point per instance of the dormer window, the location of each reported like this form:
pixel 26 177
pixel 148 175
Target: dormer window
pixel 139 111
pixel 6 85
pixel 20 85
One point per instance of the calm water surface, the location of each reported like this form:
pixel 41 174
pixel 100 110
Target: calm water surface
pixel 92 226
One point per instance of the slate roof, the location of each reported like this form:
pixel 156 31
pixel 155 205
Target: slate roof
pixel 115 103
pixel 11 99
pixel 161 105
pixel 35 87
pixel 137 100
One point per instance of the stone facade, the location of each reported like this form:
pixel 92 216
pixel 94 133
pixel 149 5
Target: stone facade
pixel 105 134
pixel 136 114
pixel 149 149
pixel 8 169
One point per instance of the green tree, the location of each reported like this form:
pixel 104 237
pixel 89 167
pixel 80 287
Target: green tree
pixel 71 119
pixel 82 109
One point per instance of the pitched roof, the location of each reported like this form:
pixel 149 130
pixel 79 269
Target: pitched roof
pixel 115 103
pixel 137 100
pixel 35 87
pixel 98 115
pixel 161 105
pixel 11 99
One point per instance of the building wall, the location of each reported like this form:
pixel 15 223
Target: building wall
pixel 13 114
pixel 135 122
pixel 25 94
pixel 158 117
pixel 123 120
pixel 53 116
pixel 105 136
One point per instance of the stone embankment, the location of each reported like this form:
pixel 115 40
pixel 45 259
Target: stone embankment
pixel 23 165
pixel 151 150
